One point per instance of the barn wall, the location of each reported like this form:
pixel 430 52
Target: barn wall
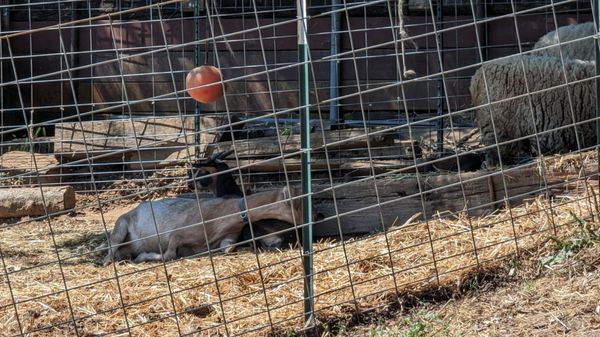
pixel 147 74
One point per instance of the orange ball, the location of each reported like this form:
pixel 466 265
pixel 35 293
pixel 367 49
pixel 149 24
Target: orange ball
pixel 197 84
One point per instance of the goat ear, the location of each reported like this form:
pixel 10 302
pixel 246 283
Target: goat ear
pixel 214 157
pixel 224 154
pixel 200 162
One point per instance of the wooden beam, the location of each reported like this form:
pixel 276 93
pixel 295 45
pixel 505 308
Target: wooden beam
pixel 159 139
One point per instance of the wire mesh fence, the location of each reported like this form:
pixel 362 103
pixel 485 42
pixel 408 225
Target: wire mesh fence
pixel 445 139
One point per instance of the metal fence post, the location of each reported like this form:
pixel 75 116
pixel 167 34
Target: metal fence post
pixel 197 137
pixel 439 42
pixel 597 10
pixel 334 78
pixel 307 257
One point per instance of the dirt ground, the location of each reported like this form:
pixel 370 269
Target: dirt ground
pixel 552 288
pixel 522 299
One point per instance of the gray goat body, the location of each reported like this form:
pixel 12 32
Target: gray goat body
pixel 214 174
pixel 188 226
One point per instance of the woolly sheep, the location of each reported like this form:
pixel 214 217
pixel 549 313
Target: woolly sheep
pixel 580 50
pixel 551 108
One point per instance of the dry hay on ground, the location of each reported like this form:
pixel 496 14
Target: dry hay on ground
pixel 361 274
pixel 526 298
pixel 565 299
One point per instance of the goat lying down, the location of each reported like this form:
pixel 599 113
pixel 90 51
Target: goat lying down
pixel 213 174
pixel 181 226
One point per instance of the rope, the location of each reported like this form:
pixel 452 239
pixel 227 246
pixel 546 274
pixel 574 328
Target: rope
pixel 408 73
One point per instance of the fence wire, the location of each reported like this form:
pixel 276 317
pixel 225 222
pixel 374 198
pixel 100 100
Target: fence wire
pixel 447 137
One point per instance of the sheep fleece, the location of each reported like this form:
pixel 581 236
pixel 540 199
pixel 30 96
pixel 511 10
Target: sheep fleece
pixel 583 49
pixel 514 118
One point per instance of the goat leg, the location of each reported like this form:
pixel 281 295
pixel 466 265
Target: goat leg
pixel 169 254
pixel 116 238
pixel 100 249
pixel 227 244
pixel 145 256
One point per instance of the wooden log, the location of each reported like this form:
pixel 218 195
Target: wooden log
pixel 18 202
pixel 29 168
pixel 384 202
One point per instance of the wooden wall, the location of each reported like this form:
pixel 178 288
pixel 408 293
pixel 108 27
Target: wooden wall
pixel 372 62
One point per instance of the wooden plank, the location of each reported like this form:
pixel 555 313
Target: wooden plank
pixel 409 185
pixel 365 167
pixel 269 146
pixel 161 144
pixel 119 134
pixel 159 158
pixel 158 138
pixel 361 222
pixel 400 148
pixel 338 160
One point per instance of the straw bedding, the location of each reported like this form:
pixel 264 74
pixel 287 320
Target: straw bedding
pixel 357 274
pixel 521 299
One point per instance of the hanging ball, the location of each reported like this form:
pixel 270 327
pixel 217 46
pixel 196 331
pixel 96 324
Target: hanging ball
pixel 197 84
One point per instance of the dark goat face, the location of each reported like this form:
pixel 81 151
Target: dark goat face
pixel 204 173
pixel 202 177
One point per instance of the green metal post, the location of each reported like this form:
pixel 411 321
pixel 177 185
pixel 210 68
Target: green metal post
pixel 440 82
pixel 196 5
pixel 597 7
pixel 334 76
pixel 307 257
